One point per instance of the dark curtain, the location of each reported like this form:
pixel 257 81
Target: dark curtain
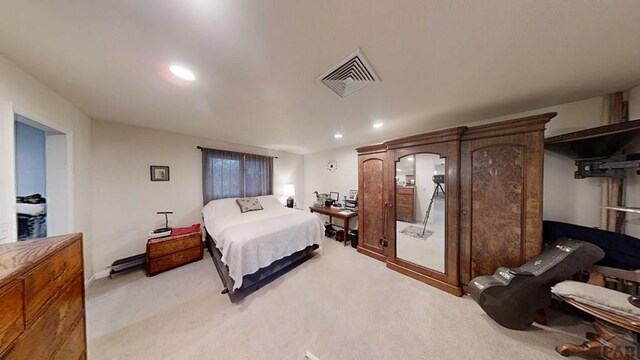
pixel 227 174
pixel 258 172
pixel 222 174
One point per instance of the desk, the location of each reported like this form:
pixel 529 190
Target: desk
pixel 335 213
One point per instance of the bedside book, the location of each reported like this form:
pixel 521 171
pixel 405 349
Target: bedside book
pixel 154 235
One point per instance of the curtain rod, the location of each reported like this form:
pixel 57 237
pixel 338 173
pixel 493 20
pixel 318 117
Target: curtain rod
pixel 202 148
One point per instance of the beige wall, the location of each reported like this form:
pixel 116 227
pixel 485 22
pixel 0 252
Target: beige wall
pixel 125 201
pixel 318 178
pixel 24 92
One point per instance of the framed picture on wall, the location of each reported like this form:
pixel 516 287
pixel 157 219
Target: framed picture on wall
pixel 159 173
pixel 353 195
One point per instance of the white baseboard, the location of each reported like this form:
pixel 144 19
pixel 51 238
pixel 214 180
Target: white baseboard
pixel 89 281
pixel 96 276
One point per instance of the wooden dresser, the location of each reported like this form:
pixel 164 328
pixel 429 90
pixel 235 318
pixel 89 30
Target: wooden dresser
pixel 173 251
pixel 405 200
pixel 42 299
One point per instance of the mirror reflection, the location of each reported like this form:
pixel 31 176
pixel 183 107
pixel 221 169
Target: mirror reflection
pixel 420 210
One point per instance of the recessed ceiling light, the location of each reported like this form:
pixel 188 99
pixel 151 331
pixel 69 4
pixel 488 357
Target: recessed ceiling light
pixel 182 73
pixel 338 136
pixel 378 125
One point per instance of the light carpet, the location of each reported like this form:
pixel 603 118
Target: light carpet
pixel 338 305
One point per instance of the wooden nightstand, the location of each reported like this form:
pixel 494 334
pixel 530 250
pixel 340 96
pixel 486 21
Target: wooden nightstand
pixel 169 252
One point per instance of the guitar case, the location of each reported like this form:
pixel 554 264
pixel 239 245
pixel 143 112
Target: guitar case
pixel 511 297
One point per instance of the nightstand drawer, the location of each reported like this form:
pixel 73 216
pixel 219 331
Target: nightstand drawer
pixel 176 259
pixel 160 247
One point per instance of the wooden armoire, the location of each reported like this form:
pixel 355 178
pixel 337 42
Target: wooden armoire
pixel 492 207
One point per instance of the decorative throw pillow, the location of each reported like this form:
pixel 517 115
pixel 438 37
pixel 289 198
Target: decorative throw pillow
pixel 249 204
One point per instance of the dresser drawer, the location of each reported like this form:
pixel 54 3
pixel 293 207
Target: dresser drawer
pixel 73 347
pixel 173 260
pixel 162 248
pixel 50 276
pixel 11 314
pixel 52 328
pixel 407 191
pixel 404 199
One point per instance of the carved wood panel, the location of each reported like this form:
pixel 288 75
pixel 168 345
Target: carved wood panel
pixel 371 203
pixel 497 192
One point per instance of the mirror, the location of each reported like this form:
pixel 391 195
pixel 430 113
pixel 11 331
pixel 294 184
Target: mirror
pixel 420 210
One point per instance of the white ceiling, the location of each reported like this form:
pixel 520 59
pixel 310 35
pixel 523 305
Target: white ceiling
pixel 442 63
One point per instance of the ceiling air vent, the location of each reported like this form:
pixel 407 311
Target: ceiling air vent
pixel 352 74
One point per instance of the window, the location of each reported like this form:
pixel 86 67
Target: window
pixel 227 174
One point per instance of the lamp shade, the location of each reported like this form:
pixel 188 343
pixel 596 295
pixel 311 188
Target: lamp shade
pixel 289 190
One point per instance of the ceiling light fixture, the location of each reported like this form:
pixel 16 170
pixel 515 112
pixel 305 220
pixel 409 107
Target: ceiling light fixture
pixel 182 73
pixel 338 136
pixel 378 125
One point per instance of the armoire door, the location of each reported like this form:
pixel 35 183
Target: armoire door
pixel 371 204
pixel 501 196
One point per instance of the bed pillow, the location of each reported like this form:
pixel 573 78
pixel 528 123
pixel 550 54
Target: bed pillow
pixel 221 207
pixel 270 202
pixel 249 204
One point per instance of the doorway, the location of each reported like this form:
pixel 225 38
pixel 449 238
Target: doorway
pixel 41 179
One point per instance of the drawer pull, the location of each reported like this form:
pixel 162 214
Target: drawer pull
pixel 61 273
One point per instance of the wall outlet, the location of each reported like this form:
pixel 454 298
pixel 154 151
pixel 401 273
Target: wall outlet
pixel 4 230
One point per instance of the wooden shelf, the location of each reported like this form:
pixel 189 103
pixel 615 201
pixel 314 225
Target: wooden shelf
pixel 598 142
pixel 623 208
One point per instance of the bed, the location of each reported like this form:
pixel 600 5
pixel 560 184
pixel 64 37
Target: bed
pixel 250 249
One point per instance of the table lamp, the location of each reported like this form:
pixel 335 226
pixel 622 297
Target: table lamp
pixel 290 191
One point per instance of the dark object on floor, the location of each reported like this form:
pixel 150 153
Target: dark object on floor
pixel 172 251
pixel 253 282
pixel 511 297
pixel 621 250
pixel 353 238
pixel 340 235
pixel 329 231
pixel 128 264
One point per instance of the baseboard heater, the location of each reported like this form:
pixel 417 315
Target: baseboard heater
pixel 128 264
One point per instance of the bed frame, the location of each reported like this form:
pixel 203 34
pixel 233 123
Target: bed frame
pixel 263 276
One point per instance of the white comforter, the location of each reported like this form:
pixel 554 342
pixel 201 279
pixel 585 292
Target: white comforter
pixel 256 239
